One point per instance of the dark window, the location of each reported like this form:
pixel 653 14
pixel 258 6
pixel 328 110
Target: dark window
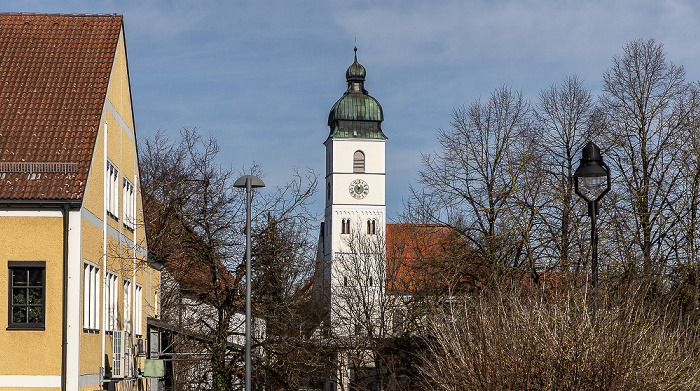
pixel 358 162
pixel 371 226
pixel 26 295
pixel 345 229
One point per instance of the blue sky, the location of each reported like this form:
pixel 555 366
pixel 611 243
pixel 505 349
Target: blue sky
pixel 264 74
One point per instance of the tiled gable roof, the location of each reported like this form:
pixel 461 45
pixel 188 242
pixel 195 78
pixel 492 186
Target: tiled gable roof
pixel 174 244
pixel 420 257
pixel 54 73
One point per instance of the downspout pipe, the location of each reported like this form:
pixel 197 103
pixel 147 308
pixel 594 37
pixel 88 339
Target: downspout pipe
pixel 64 342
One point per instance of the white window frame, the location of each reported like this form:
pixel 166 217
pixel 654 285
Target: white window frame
pixel 155 303
pixel 127 304
pixel 91 297
pixel 128 204
pixel 110 300
pixel 112 190
pixel 138 310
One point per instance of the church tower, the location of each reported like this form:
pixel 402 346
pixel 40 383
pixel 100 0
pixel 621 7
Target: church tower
pixel 352 244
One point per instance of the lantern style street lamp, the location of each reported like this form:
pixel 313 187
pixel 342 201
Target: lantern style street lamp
pixel 249 182
pixel 592 182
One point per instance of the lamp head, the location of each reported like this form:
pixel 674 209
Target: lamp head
pixel 254 181
pixel 593 175
pixel 592 172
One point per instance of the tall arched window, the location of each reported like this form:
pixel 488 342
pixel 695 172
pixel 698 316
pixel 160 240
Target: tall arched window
pixel 358 162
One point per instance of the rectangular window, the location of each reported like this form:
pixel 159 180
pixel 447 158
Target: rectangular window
pixel 155 303
pixel 91 294
pixel 128 205
pixel 27 294
pixel 110 302
pixel 138 310
pixel 112 176
pixel 127 305
pixel 345 229
pixel 398 321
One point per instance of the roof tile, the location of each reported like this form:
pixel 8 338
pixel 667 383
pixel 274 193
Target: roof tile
pixel 54 71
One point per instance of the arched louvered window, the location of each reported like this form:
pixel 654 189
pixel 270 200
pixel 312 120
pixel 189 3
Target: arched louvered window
pixel 358 162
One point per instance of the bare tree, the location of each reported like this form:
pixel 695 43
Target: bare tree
pixel 685 239
pixel 195 216
pixel 565 120
pixel 468 183
pixel 283 253
pixel 645 117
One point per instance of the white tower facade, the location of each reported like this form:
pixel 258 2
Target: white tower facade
pixel 351 264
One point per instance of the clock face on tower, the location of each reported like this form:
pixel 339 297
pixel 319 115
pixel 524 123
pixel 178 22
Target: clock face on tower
pixel 359 189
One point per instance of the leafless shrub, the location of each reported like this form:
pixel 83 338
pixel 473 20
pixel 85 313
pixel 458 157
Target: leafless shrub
pixel 533 340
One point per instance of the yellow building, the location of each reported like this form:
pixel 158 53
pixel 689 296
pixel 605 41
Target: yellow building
pixel 73 253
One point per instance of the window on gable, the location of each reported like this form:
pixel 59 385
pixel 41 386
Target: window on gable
pixel 358 162
pixel 345 228
pixel 91 294
pixel 112 176
pixel 128 204
pixel 27 294
pixel 138 309
pixel 110 302
pixel 127 305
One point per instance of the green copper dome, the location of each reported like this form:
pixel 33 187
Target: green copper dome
pixel 356 114
pixel 355 72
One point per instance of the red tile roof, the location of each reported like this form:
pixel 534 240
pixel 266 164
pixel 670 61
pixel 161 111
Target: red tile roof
pixel 183 253
pixel 54 72
pixel 422 257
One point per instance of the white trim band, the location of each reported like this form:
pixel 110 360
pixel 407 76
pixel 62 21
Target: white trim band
pixel 30 381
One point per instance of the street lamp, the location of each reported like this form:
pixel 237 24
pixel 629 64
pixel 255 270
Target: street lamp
pixel 249 182
pixel 592 182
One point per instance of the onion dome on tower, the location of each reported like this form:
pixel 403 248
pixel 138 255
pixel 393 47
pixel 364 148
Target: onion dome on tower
pixel 356 114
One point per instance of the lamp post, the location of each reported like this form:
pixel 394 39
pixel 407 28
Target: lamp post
pixel 249 182
pixel 593 175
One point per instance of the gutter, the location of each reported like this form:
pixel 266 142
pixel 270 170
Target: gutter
pixel 52 204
